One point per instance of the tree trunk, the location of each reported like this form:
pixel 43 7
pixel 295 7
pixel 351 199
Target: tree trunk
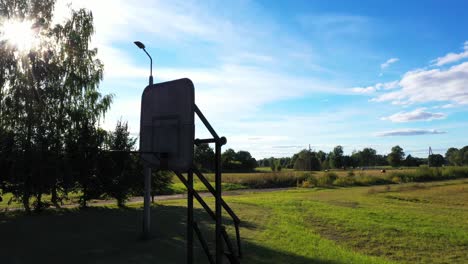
pixel 25 201
pixel 54 198
pixel 39 206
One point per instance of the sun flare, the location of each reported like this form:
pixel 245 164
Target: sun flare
pixel 19 34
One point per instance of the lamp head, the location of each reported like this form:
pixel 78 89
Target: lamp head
pixel 139 44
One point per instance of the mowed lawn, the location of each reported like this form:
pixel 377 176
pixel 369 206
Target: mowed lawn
pixel 403 223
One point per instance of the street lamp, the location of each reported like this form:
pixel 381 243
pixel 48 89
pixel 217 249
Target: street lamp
pixel 142 46
pixel 146 170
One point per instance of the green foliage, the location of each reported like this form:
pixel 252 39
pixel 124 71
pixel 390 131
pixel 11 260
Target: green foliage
pixel 411 161
pixel 395 158
pixel 436 160
pixel 265 180
pixel 278 166
pixel 327 179
pixel 336 157
pixel 307 160
pixel 424 173
pixel 204 157
pixel 119 169
pixel 272 163
pixel 455 172
pixel 365 157
pixel 275 164
pixel 457 157
pixel 367 180
pixel 50 106
pixel 241 161
pixel 160 183
pixel 345 181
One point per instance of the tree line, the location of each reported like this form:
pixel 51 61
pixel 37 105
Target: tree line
pixel 51 109
pixel 319 160
pixel 232 161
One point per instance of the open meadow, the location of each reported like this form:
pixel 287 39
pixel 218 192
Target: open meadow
pixel 265 178
pixel 401 223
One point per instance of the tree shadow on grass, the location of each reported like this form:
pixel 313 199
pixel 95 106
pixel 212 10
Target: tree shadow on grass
pixel 104 235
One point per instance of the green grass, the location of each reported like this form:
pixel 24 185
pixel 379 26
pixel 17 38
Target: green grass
pixel 268 169
pixel 404 223
pixel 290 178
pixel 8 201
pixel 253 180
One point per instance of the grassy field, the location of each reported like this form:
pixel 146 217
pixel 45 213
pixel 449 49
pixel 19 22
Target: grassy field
pixel 264 178
pixel 404 223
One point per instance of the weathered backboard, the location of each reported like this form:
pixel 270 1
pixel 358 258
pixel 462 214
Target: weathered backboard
pixel 167 125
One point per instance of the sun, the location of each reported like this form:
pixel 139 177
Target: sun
pixel 20 34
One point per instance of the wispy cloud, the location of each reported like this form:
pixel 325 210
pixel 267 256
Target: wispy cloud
pixel 415 115
pixel 452 57
pixel 333 25
pixel 364 90
pixel 388 63
pixel 288 147
pixel 409 132
pixel 244 63
pixel 375 88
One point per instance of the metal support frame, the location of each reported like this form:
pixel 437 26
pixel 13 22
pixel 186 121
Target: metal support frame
pixel 220 231
pixel 146 203
pixel 218 191
pixel 219 219
pixel 190 223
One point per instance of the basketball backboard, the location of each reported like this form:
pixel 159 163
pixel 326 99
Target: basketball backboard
pixel 167 125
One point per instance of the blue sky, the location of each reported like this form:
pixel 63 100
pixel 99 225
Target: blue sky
pixel 276 76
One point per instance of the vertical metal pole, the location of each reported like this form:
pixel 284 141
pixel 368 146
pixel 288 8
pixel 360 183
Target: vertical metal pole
pixel 190 218
pixel 219 242
pixel 146 203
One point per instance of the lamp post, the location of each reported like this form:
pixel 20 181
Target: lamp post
pixel 146 169
pixel 142 46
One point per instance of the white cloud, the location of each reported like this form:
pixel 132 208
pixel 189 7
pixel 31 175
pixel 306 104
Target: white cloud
pixel 364 90
pixel 435 85
pixel 448 106
pixel 119 19
pixel 409 132
pixel 240 90
pixel 283 135
pixel 240 75
pixel 388 63
pixel 416 115
pixel 452 57
pixel 374 88
pixel 445 106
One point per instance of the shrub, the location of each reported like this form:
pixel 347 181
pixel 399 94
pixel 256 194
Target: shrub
pixel 455 172
pixel 372 180
pixel 350 173
pixel 344 181
pixel 267 180
pixel 402 177
pixel 312 180
pixel 422 174
pixel 327 179
pixel 396 179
